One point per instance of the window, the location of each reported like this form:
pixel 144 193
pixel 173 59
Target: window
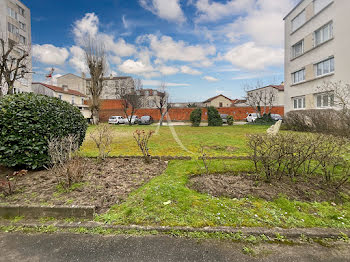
pixel 298 76
pixel 22 39
pixel 298 49
pixel 325 100
pixel 22 26
pixel 82 101
pixel 320 4
pixel 12 29
pixel 21 11
pixel 325 67
pixel 323 34
pixel 220 104
pixel 298 21
pixel 72 100
pixel 299 102
pixel 60 97
pixel 12 13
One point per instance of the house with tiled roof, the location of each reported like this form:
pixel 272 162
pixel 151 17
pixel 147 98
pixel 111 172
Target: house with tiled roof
pixel 73 97
pixel 218 101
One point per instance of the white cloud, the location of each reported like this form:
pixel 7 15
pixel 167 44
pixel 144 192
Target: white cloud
pixel 253 57
pixel 158 82
pixel 166 49
pixel 77 60
pixel 166 9
pixel 50 54
pixel 86 27
pixel 168 70
pixel 119 48
pixel 212 11
pixel 210 79
pixel 125 23
pixel 190 71
pixel 135 67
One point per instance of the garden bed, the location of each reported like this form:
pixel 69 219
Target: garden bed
pixel 105 183
pixel 244 185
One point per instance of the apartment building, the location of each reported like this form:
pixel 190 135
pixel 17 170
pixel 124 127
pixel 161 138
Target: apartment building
pixel 317 44
pixel 15 27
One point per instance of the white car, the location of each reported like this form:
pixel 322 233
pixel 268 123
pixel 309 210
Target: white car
pixel 116 120
pixel 134 120
pixel 251 117
pixel 276 117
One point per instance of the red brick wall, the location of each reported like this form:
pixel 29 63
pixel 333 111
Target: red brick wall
pixel 113 108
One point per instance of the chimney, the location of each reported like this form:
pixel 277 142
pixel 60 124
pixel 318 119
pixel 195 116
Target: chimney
pixel 83 75
pixel 65 88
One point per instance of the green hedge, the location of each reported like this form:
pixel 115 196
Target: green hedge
pixel 214 118
pixel 196 117
pixel 28 121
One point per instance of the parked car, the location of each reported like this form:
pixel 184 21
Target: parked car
pixel 224 118
pixel 116 120
pixel 146 120
pixel 276 117
pixel 252 117
pixel 134 120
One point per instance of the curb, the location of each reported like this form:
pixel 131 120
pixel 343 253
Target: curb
pixel 270 232
pixel 82 212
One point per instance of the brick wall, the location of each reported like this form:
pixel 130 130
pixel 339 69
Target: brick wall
pixel 113 108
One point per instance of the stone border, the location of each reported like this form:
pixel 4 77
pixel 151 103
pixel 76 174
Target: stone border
pixel 164 158
pixel 82 212
pixel 255 231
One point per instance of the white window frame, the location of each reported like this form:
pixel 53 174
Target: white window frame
pixel 12 13
pixel 294 55
pixel 319 5
pixel 323 36
pixel 300 74
pixel 296 24
pixel 23 26
pixel 324 100
pixel 325 67
pixel 299 102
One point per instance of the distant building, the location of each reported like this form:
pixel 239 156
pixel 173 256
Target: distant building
pixel 71 96
pixel 218 101
pixel 112 86
pixel 316 51
pixel 15 27
pixel 276 90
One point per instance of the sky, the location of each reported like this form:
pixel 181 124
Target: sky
pixel 199 48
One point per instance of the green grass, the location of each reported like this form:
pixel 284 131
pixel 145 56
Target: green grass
pixel 216 139
pixel 149 205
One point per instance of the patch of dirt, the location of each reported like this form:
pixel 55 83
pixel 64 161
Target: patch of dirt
pixel 221 148
pixel 104 184
pixel 244 185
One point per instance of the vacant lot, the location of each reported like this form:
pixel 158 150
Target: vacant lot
pixel 217 141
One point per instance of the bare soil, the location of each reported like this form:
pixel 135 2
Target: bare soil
pixel 105 183
pixel 244 185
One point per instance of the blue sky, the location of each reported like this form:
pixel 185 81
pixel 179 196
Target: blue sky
pixel 201 48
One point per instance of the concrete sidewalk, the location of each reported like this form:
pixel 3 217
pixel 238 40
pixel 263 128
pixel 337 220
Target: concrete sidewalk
pixel 74 247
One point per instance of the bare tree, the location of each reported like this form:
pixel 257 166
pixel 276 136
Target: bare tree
pixel 131 99
pixel 95 59
pixel 260 97
pixel 162 102
pixel 339 93
pixel 14 63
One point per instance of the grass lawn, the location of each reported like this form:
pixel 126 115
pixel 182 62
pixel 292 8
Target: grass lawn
pixel 166 200
pixel 219 141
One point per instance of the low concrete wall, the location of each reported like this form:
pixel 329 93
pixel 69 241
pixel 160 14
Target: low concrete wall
pixel 50 211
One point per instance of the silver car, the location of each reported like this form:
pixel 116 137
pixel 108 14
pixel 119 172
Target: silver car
pixel 116 120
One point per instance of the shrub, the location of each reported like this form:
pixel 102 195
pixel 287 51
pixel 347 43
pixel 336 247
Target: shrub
pixel 264 120
pixel 142 138
pixel 292 154
pixel 196 117
pixel 214 118
pixel 230 120
pixel 328 121
pixel 102 136
pixel 28 121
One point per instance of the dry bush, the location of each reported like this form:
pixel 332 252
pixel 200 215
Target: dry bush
pixel 291 154
pixel 142 138
pixel 205 160
pixel 103 137
pixel 66 166
pixel 327 121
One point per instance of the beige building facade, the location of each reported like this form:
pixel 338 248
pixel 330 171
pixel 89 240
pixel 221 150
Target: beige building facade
pixel 218 101
pixel 71 96
pixel 275 93
pixel 15 27
pixel 316 51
